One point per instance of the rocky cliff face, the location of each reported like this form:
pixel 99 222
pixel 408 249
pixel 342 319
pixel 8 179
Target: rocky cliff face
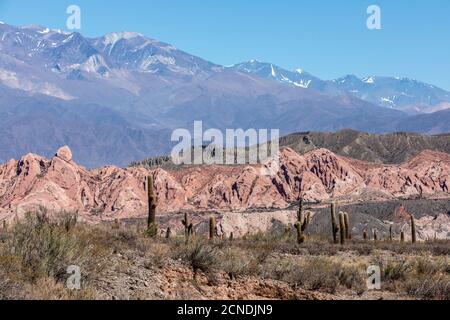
pixel 109 192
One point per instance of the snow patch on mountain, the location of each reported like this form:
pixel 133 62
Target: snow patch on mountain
pixel 96 64
pixel 369 80
pixel 114 37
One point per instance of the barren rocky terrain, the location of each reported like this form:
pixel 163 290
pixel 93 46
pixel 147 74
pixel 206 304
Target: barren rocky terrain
pixel 319 176
pixel 239 195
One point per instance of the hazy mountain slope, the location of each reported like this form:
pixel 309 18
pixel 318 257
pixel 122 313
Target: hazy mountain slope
pixel 434 123
pixel 99 134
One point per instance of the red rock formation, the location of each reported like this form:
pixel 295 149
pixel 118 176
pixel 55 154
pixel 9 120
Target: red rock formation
pixel 60 184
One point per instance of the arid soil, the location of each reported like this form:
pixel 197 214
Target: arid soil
pixel 119 262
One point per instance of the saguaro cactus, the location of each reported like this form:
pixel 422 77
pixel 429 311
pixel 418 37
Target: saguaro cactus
pixel 391 238
pixel 152 227
pixel 188 227
pixel 413 230
pixel 334 225
pixel 302 223
pixel 402 237
pixel 375 235
pixel 347 226
pixel 212 227
pixel 365 237
pixel 168 233
pixel 300 210
pixel 116 224
pixel 342 227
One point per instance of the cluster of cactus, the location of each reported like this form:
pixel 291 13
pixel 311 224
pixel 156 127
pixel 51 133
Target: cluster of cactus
pixel 152 226
pixel 302 223
pixel 343 228
pixel 188 227
pixel 341 231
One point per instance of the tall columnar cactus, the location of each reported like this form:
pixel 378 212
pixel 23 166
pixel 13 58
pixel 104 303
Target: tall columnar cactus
pixel 347 226
pixel 334 225
pixel 391 238
pixel 116 224
pixel 375 235
pixel 413 230
pixel 300 211
pixel 212 227
pixel 402 237
pixel 152 227
pixel 302 223
pixel 188 227
pixel 342 227
pixel 365 237
pixel 168 233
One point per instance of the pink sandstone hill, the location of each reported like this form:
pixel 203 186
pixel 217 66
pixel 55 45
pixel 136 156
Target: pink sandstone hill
pixel 110 192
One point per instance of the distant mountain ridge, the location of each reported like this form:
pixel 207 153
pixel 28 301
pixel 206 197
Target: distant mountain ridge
pixel 403 94
pixel 117 98
pixel 392 148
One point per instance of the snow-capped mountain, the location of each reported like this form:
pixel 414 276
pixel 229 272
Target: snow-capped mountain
pixel 404 94
pixel 73 56
pixel 296 78
pixel 117 98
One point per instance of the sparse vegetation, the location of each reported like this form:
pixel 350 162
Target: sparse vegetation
pixel 36 251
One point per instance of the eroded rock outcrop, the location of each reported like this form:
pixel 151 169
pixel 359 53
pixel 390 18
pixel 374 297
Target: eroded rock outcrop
pixel 61 184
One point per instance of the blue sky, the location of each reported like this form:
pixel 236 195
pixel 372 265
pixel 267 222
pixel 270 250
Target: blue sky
pixel 328 38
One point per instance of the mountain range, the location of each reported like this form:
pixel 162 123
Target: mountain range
pixel 117 98
pixel 408 95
